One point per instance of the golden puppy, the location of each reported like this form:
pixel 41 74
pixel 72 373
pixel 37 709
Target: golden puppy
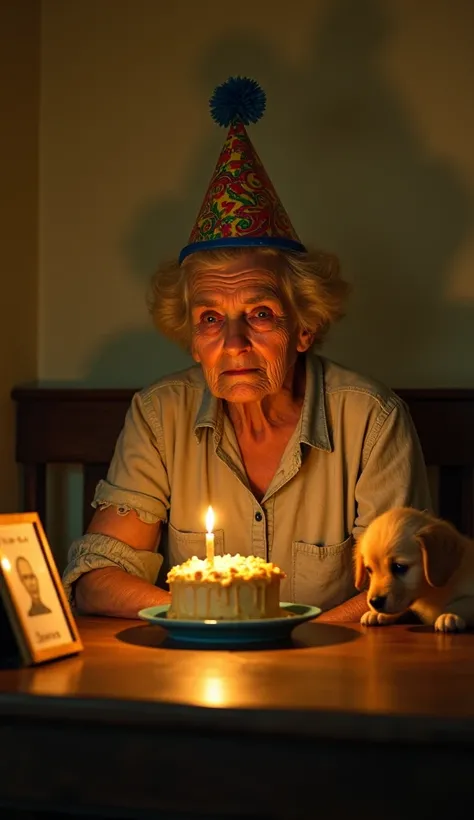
pixel 416 562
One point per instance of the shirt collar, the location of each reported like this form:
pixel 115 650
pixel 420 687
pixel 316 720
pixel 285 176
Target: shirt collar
pixel 313 428
pixel 210 414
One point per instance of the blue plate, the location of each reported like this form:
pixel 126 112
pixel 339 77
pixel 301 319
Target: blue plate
pixel 232 633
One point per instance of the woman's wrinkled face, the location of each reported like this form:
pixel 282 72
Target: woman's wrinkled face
pixel 243 334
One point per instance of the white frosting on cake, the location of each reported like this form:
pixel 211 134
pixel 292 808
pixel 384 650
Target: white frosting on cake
pixel 233 587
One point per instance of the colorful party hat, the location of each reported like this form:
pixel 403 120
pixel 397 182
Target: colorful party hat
pixel 241 207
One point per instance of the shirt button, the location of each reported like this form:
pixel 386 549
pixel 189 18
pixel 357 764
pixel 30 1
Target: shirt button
pixel 258 516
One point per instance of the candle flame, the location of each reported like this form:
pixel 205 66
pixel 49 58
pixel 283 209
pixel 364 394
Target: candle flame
pixel 209 519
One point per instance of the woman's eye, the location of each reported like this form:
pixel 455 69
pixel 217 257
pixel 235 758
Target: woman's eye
pixel 209 318
pixel 263 313
pixel 399 569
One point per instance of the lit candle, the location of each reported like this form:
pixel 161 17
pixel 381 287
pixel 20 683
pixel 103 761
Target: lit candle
pixel 210 535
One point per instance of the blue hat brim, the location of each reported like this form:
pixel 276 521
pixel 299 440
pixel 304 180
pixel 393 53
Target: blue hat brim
pixel 280 243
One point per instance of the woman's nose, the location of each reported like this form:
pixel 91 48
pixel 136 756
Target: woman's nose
pixel 236 338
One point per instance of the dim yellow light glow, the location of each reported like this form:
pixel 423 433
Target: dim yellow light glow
pixel 214 691
pixel 6 564
pixel 210 519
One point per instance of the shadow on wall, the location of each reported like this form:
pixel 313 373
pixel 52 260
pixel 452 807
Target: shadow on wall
pixel 341 149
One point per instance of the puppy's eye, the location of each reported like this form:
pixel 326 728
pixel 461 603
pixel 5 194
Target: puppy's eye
pixel 368 571
pixel 399 569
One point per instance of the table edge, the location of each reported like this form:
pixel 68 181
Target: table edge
pixel 296 723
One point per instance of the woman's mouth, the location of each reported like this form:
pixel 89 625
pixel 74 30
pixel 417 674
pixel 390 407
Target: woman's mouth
pixel 241 371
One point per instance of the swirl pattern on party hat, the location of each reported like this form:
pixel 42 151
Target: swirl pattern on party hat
pixel 241 207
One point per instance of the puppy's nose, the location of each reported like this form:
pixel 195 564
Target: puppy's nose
pixel 378 602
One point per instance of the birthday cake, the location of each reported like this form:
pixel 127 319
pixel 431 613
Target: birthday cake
pixel 231 587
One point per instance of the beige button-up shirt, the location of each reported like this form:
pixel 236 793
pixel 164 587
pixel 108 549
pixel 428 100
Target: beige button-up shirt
pixel 354 454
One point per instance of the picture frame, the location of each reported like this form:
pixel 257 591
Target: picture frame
pixel 36 621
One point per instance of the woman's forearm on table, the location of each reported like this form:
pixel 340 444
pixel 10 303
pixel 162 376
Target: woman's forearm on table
pixel 111 591
pixel 351 610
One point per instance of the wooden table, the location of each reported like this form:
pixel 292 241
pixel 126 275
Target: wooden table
pixel 376 722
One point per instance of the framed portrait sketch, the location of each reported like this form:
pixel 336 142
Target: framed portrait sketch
pixel 36 619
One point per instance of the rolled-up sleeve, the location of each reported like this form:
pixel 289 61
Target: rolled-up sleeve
pixel 393 471
pixel 96 551
pixel 137 478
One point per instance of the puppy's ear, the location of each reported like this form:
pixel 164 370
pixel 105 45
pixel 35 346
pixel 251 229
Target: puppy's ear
pixel 442 548
pixel 359 570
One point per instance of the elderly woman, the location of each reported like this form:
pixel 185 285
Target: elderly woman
pixel 295 454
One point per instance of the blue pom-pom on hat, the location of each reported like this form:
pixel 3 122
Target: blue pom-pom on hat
pixel 239 99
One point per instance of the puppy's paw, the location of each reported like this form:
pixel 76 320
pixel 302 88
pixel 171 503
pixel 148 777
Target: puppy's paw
pixel 377 619
pixel 448 622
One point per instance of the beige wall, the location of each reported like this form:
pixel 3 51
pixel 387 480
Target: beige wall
pixel 19 107
pixel 368 137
